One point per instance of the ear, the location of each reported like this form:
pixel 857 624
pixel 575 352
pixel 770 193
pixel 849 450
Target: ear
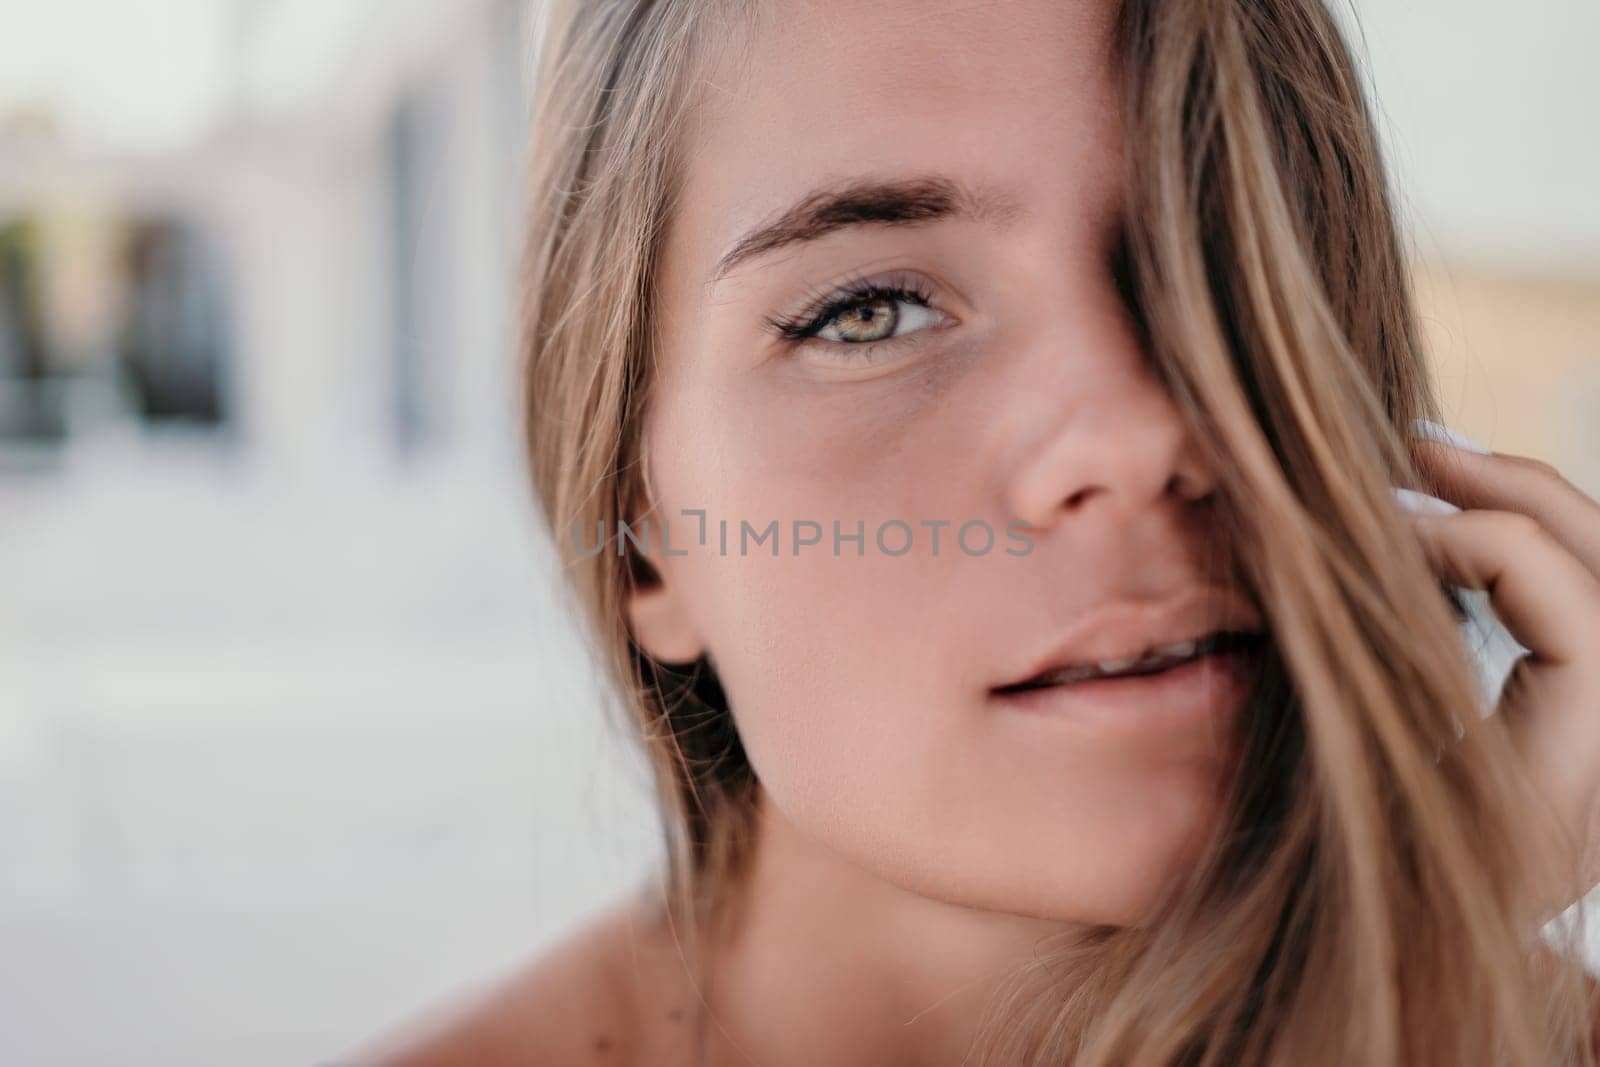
pixel 658 620
pixel 657 617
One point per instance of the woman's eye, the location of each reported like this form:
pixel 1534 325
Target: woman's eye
pixel 876 319
pixel 863 318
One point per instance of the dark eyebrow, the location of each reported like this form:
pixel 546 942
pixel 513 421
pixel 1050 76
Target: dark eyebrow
pixel 862 201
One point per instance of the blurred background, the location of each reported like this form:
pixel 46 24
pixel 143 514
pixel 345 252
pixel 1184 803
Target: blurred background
pixel 295 736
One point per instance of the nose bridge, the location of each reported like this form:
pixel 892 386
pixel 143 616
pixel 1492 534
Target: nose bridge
pixel 1106 444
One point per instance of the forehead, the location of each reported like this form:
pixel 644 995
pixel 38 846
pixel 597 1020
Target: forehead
pixel 1017 94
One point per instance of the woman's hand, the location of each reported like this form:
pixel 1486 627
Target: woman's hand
pixel 1531 539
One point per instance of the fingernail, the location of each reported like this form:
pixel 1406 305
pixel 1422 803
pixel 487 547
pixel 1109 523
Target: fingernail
pixel 1433 431
pixel 1422 503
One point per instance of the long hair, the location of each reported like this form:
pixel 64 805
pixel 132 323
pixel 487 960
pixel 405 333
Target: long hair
pixel 1370 896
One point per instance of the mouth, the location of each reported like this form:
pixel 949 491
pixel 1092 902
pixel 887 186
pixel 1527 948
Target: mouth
pixel 1158 660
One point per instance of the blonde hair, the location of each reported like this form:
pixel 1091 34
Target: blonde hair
pixel 1371 897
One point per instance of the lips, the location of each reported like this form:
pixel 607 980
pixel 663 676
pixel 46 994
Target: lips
pixel 1125 639
pixel 1154 660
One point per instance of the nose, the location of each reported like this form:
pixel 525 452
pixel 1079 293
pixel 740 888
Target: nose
pixel 1109 456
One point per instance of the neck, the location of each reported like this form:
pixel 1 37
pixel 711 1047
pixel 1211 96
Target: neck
pixel 831 964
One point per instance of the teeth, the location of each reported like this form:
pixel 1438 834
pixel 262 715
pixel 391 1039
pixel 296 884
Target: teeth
pixel 1180 650
pixel 1161 657
pixel 1067 675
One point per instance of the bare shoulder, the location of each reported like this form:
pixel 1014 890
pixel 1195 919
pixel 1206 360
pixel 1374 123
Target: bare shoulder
pixel 612 991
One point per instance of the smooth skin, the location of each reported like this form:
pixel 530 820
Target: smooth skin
pixel 916 839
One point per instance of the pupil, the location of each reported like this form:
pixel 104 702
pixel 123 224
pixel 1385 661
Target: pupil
pixel 868 321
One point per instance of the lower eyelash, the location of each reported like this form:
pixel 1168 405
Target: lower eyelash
pixel 811 321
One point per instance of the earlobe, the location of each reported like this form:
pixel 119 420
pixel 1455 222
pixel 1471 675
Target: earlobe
pixel 660 625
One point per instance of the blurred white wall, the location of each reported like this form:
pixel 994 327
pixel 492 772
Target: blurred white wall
pixel 1488 111
pixel 295 734
pixel 1488 115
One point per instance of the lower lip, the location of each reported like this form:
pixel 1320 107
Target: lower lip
pixel 1203 691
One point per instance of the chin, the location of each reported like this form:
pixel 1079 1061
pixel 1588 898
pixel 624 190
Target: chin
pixel 1117 879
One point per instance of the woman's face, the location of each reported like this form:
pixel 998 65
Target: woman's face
pixel 886 299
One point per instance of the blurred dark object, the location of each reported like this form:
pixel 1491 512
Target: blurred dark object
pixel 173 343
pixel 158 355
pixel 31 401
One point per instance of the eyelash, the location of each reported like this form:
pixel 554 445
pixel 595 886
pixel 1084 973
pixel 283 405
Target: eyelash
pixel 808 323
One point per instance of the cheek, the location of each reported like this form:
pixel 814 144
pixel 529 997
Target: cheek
pixel 831 658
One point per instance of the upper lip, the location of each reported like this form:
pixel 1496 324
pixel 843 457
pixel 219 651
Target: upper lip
pixel 1125 629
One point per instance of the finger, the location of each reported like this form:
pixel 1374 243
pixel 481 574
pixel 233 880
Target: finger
pixel 1531 487
pixel 1547 599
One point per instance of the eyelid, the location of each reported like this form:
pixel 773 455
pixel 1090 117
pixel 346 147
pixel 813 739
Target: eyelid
pixel 854 288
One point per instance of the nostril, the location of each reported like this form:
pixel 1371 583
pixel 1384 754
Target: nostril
pixel 1191 487
pixel 1079 497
